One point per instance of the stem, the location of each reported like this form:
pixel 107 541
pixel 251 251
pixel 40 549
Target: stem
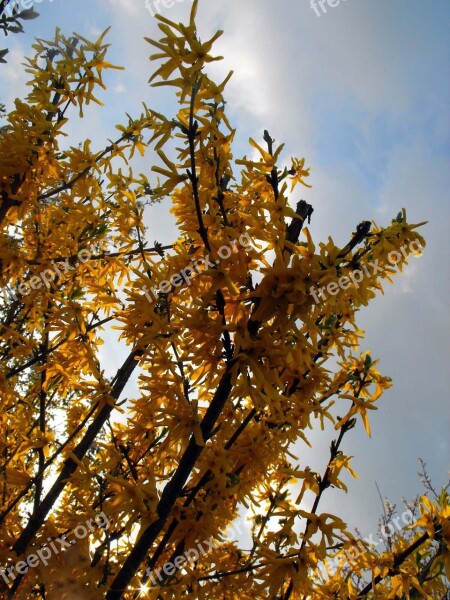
pixel 173 488
pixel 71 464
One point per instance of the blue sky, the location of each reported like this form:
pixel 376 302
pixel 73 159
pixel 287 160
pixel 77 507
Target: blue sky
pixel 363 93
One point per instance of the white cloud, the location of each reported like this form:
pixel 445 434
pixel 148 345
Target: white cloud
pixel 12 75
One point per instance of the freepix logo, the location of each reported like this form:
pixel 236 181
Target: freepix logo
pixel 155 6
pixel 44 554
pixel 191 556
pixel 357 275
pixel 187 274
pixel 47 276
pixel 322 3
pixel 19 5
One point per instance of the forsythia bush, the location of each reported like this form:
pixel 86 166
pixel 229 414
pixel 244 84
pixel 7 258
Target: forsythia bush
pixel 230 360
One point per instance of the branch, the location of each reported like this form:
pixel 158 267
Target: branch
pixel 192 173
pixel 40 355
pixel 173 488
pixel 71 464
pixel 153 250
pixel 362 231
pixel 400 558
pixel 324 482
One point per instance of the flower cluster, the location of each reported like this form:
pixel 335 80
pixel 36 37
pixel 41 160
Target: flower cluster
pixel 224 375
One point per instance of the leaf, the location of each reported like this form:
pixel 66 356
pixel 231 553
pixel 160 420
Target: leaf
pixel 28 14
